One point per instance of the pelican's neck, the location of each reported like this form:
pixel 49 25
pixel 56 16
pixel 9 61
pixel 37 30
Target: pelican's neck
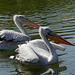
pixel 20 26
pixel 52 52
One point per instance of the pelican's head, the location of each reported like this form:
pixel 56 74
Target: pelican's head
pixel 23 19
pixel 53 36
pixel 18 17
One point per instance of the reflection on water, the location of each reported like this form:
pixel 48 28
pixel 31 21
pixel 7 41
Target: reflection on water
pixel 59 15
pixel 39 70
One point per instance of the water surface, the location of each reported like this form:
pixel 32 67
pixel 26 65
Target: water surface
pixel 59 15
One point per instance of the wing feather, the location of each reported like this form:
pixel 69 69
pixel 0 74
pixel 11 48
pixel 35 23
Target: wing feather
pixel 26 54
pixel 40 44
pixel 10 35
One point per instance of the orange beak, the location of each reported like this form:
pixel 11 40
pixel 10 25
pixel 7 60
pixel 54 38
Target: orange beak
pixel 58 39
pixel 30 23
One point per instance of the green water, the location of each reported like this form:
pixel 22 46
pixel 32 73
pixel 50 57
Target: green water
pixel 59 15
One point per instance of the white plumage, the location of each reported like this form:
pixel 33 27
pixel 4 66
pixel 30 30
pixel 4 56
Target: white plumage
pixel 13 36
pixel 38 52
pixel 27 52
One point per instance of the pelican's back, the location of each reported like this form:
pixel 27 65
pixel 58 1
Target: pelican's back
pixel 13 36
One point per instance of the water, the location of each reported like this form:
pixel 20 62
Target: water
pixel 59 15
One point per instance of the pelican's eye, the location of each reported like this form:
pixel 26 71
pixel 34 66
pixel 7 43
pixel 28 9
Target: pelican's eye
pixel 48 31
pixel 21 17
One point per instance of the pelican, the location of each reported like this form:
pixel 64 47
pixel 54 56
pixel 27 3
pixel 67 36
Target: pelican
pixel 40 52
pixel 9 39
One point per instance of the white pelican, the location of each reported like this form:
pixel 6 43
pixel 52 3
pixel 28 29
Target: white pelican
pixel 36 52
pixel 10 39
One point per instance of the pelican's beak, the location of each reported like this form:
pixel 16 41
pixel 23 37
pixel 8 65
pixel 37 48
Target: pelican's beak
pixel 58 39
pixel 30 23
